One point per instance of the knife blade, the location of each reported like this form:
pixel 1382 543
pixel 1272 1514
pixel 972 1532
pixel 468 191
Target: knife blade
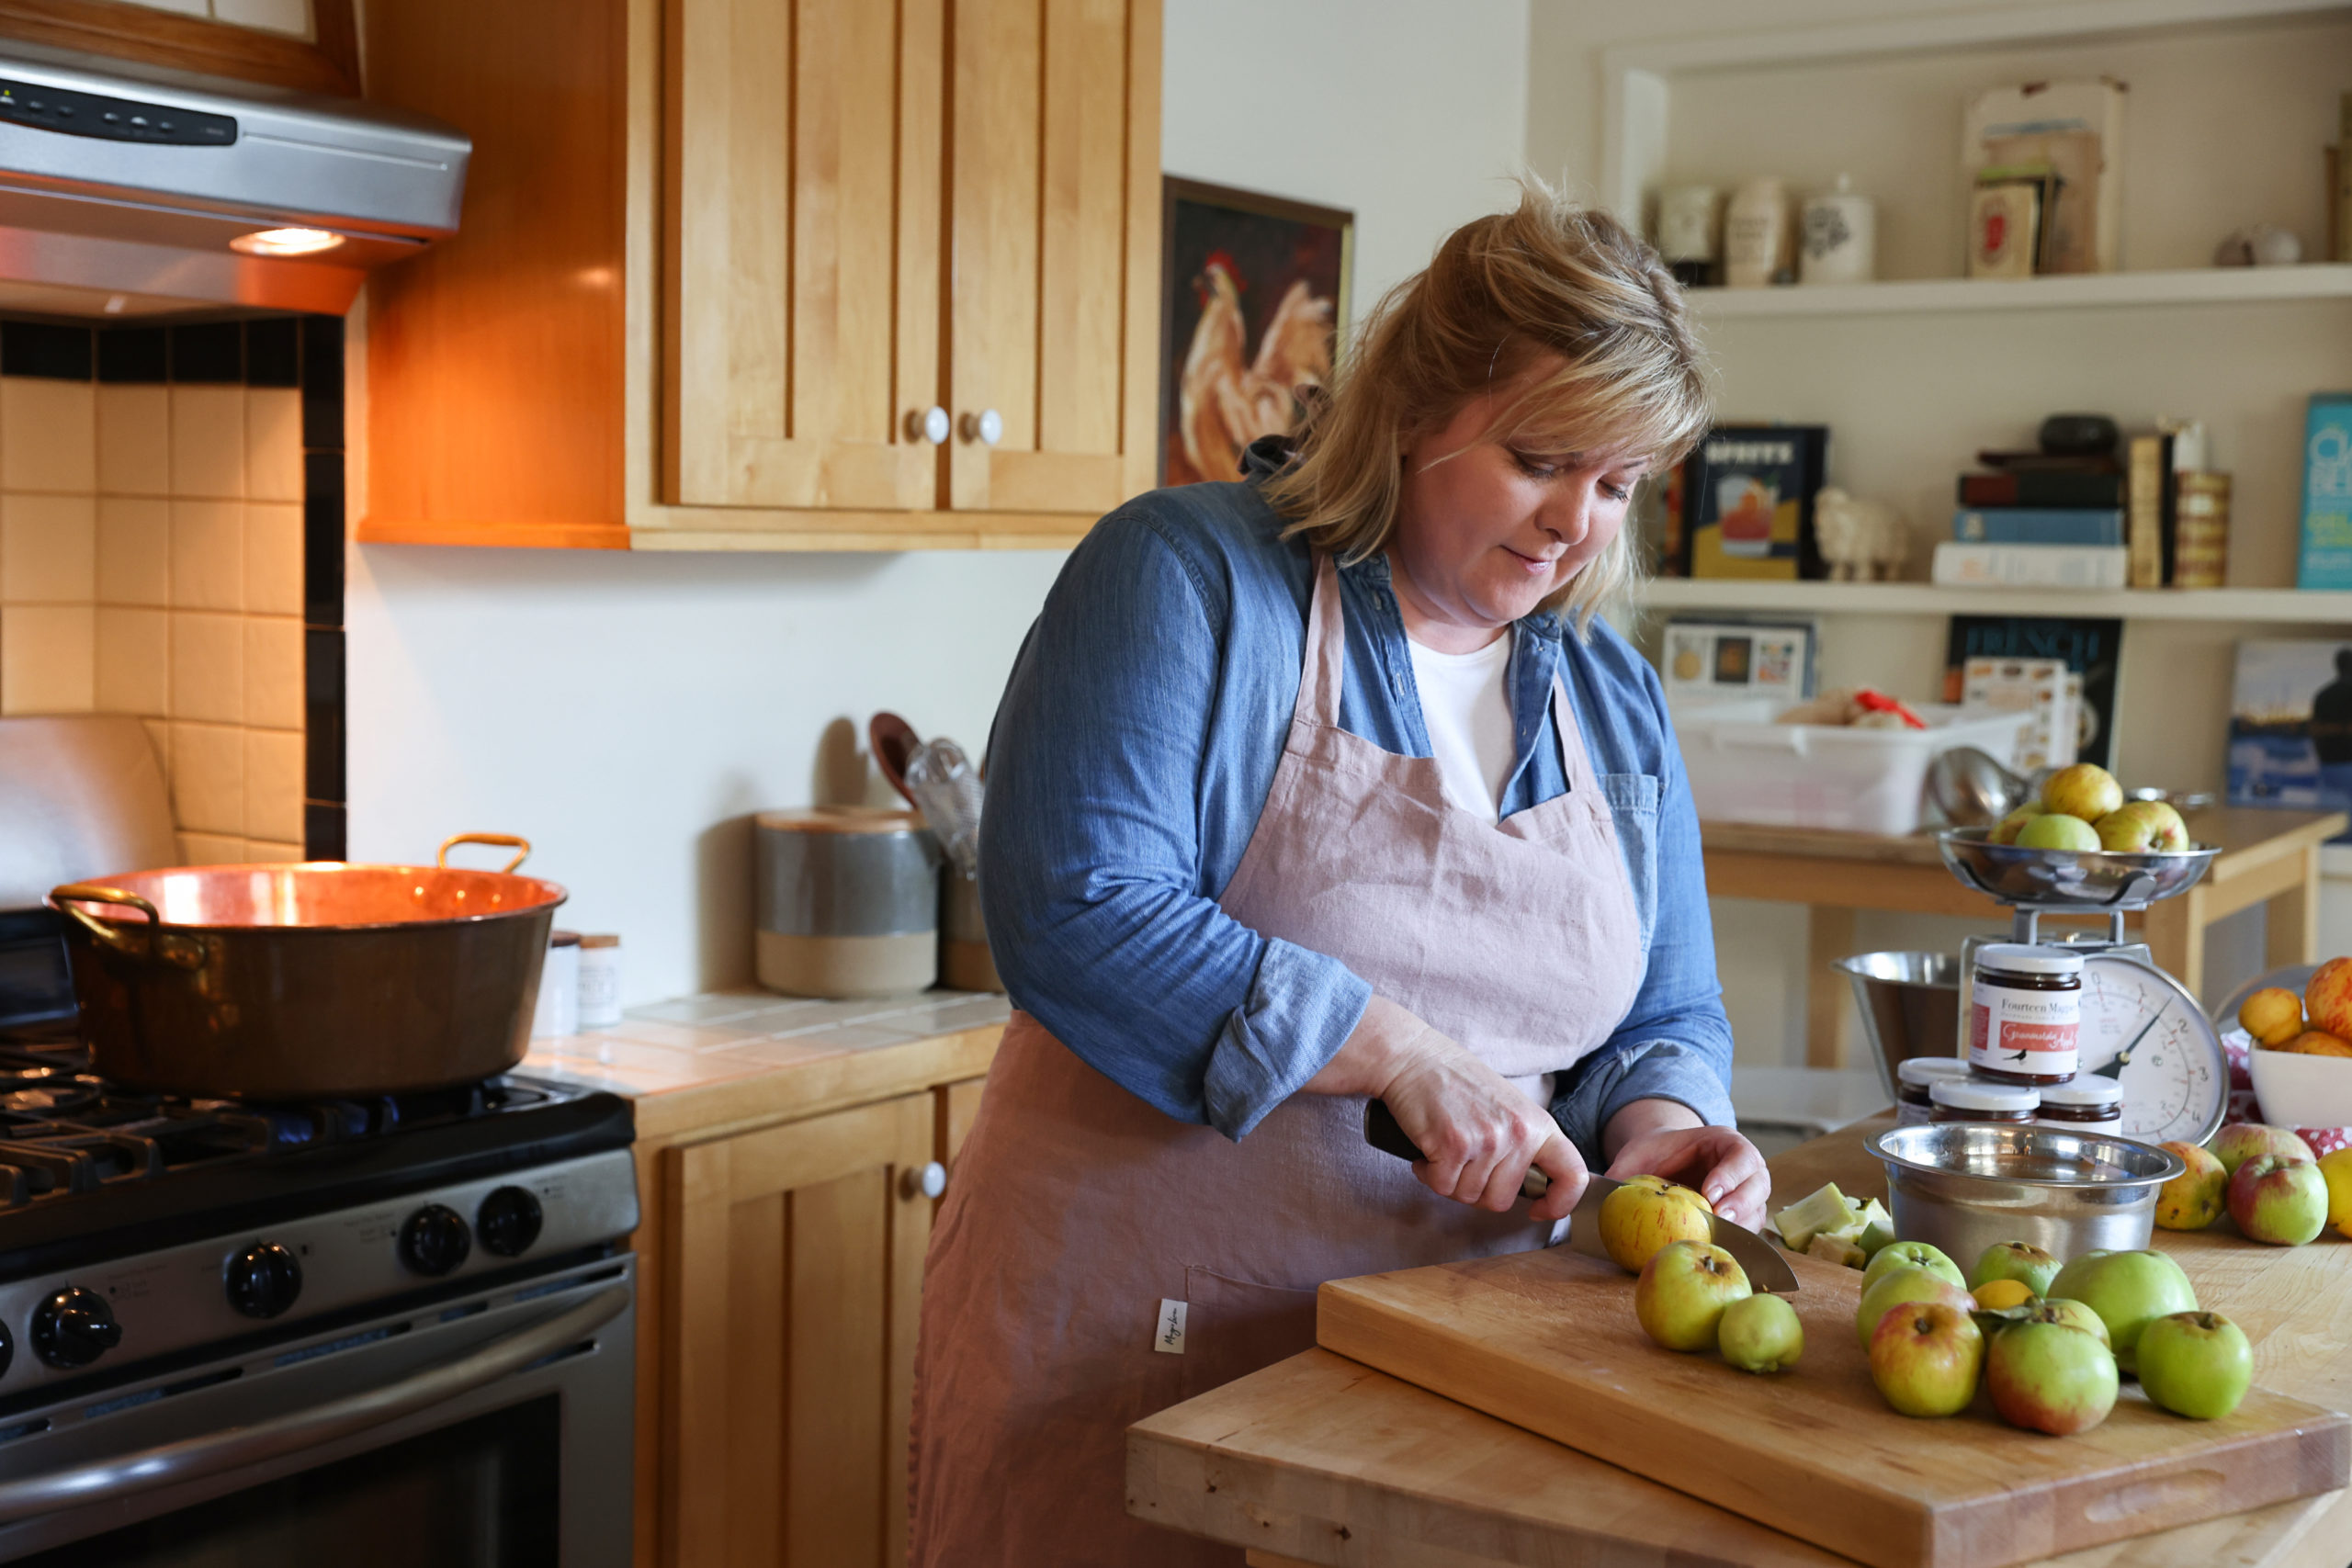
pixel 1759 1259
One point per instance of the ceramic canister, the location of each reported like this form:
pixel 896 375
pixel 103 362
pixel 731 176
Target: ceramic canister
pixel 848 901
pixel 1837 242
pixel 1757 236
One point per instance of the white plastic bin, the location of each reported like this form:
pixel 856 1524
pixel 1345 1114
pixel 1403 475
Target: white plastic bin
pixel 1745 768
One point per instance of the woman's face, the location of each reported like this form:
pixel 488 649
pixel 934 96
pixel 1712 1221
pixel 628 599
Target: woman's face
pixel 1485 531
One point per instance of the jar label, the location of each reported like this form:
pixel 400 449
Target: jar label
pixel 2031 1033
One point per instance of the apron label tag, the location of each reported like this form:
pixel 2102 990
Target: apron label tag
pixel 1168 1331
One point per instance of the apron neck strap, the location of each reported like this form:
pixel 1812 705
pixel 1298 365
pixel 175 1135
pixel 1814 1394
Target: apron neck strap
pixel 1320 677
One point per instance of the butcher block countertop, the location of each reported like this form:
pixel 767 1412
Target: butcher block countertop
pixel 1319 1459
pixel 704 1065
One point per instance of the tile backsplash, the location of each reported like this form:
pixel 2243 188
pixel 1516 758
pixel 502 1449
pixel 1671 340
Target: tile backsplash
pixel 153 490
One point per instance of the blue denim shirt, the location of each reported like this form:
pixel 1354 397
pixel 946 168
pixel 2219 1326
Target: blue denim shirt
pixel 1134 751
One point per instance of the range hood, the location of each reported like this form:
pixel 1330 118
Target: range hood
pixel 129 190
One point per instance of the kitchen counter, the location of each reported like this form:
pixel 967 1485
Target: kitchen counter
pixel 1319 1459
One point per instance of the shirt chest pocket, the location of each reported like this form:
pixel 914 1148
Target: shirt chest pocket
pixel 1632 804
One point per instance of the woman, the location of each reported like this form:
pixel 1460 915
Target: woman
pixel 1316 786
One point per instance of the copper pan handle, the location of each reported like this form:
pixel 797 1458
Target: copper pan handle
pixel 111 933
pixel 522 848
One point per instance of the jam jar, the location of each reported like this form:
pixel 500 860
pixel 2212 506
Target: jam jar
pixel 2088 1104
pixel 1913 1077
pixel 1981 1100
pixel 2025 1010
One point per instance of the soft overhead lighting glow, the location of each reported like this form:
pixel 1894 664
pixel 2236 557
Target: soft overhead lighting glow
pixel 286 242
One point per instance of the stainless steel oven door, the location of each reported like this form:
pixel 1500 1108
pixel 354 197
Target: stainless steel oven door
pixel 487 1430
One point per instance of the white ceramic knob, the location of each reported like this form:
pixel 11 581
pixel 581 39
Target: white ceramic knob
pixel 986 427
pixel 928 425
pixel 926 1181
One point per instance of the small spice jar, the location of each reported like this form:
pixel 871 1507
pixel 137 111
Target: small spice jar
pixel 1978 1100
pixel 2086 1104
pixel 2025 1010
pixel 1913 1077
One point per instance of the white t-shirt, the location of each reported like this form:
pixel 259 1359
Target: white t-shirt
pixel 1466 709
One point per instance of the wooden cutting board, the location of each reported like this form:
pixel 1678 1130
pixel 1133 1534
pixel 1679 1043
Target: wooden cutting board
pixel 1547 1340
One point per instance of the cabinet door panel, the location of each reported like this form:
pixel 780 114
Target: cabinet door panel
pixel 802 184
pixel 1053 298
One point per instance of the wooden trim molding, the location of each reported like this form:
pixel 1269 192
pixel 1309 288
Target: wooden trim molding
pixel 330 65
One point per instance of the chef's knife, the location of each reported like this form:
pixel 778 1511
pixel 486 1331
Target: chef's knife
pixel 1759 1259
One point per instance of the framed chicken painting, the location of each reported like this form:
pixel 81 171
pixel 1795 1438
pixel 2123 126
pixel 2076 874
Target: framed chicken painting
pixel 1256 297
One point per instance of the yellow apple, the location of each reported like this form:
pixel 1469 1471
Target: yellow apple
pixel 2338 1168
pixel 1645 1214
pixel 2328 998
pixel 2273 1015
pixel 2085 790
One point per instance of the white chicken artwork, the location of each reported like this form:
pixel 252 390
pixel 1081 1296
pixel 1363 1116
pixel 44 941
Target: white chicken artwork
pixel 1226 400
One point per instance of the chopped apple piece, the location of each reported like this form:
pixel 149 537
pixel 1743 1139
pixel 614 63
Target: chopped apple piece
pixel 1878 1227
pixel 1807 1217
pixel 1837 1250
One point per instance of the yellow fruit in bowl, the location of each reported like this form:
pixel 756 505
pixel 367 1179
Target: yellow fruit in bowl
pixel 2338 1168
pixel 1999 1295
pixel 2272 1015
pixel 2317 1042
pixel 1645 1214
pixel 2327 999
pixel 2085 790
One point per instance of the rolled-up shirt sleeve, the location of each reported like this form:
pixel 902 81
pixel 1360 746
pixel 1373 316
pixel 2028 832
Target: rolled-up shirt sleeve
pixel 1091 856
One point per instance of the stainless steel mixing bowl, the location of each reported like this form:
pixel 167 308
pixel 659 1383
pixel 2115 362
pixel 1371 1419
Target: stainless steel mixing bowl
pixel 1965 1186
pixel 1910 1007
pixel 2095 878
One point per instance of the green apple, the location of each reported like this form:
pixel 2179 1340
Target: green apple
pixel 1899 1287
pixel 2005 831
pixel 2019 1260
pixel 1760 1334
pixel 2073 1315
pixel 2128 830
pixel 1683 1291
pixel 2129 1290
pixel 2057 830
pixel 2241 1141
pixel 2047 1377
pixel 2196 1363
pixel 1911 1255
pixel 2279 1201
pixel 2195 1198
pixel 2085 791
pixel 1925 1357
pixel 2171 832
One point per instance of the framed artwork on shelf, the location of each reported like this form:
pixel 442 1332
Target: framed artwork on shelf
pixel 1255 295
pixel 2290 726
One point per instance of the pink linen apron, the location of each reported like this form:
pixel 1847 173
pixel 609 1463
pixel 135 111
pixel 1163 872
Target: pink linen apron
pixel 1076 1209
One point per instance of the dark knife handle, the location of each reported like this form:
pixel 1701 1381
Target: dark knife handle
pixel 1381 1131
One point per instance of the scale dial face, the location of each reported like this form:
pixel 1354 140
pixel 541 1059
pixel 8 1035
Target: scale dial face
pixel 2174 1074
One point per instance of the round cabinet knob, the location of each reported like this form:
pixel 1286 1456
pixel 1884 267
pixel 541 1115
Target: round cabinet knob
pixel 509 1221
pixel 264 1280
pixel 924 1181
pixel 928 425
pixel 73 1328
pixel 434 1240
pixel 986 427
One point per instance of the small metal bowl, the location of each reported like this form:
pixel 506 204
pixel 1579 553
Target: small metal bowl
pixel 1965 1186
pixel 2094 878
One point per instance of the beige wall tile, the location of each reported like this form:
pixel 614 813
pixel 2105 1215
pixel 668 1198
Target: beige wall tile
pixel 48 547
pixel 261 852
pixel 273 443
pixel 209 778
pixel 273 786
pixel 207 555
pixel 49 435
pixel 273 672
pixel 47 658
pixel 275 16
pixel 274 558
pixel 209 443
pixel 134 661
pixel 134 440
pixel 134 552
pixel 208 667
pixel 209 849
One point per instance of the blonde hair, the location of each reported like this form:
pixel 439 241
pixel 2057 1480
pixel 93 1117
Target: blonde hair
pixel 1503 292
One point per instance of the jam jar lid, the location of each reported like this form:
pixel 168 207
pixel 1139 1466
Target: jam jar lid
pixel 1975 1094
pixel 2085 1090
pixel 2024 958
pixel 1921 1071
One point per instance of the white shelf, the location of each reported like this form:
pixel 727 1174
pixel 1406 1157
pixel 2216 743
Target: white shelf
pixel 2290 606
pixel 2203 285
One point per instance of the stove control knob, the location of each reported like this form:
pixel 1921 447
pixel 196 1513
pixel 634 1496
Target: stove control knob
pixel 73 1328
pixel 434 1240
pixel 264 1280
pixel 509 1221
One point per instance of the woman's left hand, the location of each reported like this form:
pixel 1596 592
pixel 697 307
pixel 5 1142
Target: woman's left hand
pixel 1725 1168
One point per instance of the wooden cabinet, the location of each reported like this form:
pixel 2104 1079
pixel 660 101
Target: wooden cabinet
pixel 877 275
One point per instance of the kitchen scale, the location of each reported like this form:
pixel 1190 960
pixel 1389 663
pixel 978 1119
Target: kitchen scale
pixel 2140 1027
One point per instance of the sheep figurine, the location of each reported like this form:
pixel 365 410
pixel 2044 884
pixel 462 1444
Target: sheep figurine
pixel 1862 541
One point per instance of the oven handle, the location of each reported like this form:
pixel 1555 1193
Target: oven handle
pixel 192 1458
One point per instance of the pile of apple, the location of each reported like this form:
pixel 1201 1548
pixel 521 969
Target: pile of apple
pixel 2081 807
pixel 1693 1295
pixel 2317 1023
pixel 2271 1184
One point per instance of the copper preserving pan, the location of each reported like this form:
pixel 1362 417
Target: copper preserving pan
pixel 313 981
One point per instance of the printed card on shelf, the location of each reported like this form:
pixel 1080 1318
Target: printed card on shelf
pixel 2039 686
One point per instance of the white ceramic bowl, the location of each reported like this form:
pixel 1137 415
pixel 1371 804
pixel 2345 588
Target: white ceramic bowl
pixel 2303 1091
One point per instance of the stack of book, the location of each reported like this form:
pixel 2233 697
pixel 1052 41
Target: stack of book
pixel 2039 520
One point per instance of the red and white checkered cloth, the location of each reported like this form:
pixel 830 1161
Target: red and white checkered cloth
pixel 2244 1107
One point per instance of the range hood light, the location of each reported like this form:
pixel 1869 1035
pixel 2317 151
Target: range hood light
pixel 286 242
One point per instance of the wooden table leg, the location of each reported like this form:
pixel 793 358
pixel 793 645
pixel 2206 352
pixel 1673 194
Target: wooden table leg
pixel 1829 936
pixel 2175 930
pixel 2291 919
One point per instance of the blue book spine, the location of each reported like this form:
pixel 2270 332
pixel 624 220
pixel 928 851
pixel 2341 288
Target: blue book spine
pixel 2037 525
pixel 2327 494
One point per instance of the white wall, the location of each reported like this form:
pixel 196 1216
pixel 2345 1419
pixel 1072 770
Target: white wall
pixel 627 712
